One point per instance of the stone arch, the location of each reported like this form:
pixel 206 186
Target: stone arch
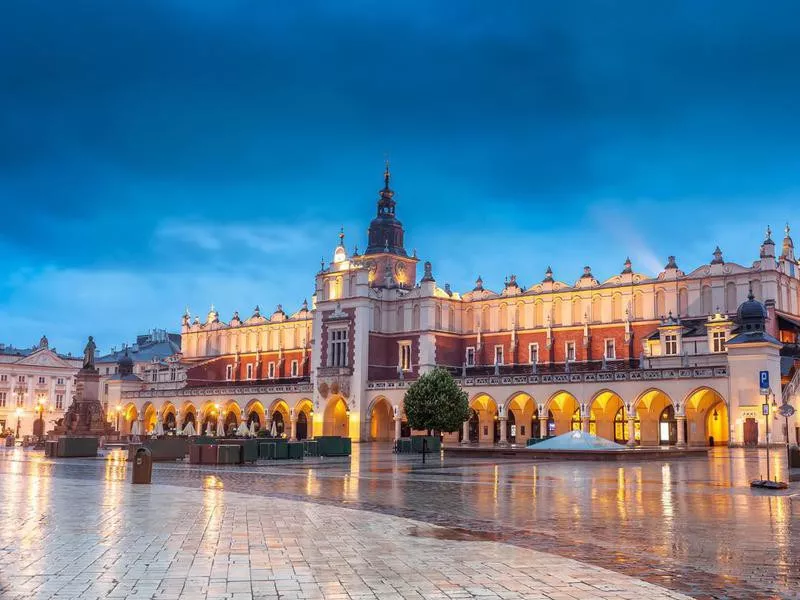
pixel 188 415
pixel 485 408
pixel 562 405
pixel 209 413
pixel 656 411
pixel 128 415
pixel 169 416
pixel 336 419
pixel 707 417
pixel 304 419
pixel 279 417
pixel 519 409
pixel 381 420
pixel 604 410
pixel 231 416
pixel 149 416
pixel 254 413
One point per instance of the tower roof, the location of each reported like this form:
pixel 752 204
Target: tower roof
pixel 385 231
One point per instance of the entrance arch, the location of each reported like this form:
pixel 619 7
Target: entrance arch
pixel 149 418
pixel 608 412
pixel 655 425
pixel 381 421
pixel 707 418
pixel 562 405
pixel 520 410
pixel 129 415
pixel 279 418
pixel 488 426
pixel 336 418
pixel 304 415
pixel 254 413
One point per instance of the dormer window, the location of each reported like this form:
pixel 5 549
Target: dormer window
pixel 671 344
pixel 718 341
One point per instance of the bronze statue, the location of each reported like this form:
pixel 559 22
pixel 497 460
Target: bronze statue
pixel 88 354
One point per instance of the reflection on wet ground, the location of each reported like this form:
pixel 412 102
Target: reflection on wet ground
pixel 693 525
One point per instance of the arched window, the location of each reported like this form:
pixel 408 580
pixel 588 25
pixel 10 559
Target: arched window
pixel 597 310
pixel 437 321
pixel 503 317
pixel 486 322
pixel 730 297
pixel 469 321
pixel 415 324
pixel 451 319
pixel 705 296
pixel 683 302
pixel 636 302
pixel 577 313
pixel 616 307
pixel 556 316
pixel 621 427
pixel 661 305
pixel 538 314
pixel 518 311
pixel 376 317
pixel 755 285
pixel 400 323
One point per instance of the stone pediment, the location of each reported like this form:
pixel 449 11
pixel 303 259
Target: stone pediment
pixel 45 358
pixel 728 268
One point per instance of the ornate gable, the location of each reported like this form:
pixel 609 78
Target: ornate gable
pixel 44 358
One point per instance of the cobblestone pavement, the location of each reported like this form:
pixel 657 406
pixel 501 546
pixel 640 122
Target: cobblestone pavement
pixel 68 538
pixel 689 525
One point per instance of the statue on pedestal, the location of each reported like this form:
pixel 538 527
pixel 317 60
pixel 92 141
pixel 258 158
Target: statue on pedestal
pixel 88 354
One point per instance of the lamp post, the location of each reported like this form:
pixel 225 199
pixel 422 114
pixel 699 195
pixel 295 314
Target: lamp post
pixel 19 416
pixel 119 410
pixel 40 408
pixel 765 410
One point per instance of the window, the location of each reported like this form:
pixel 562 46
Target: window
pixel 154 376
pixel 249 370
pixel 21 379
pixel 41 380
pixel 611 350
pixel 570 351
pixel 294 368
pixel 404 355
pixel 108 370
pixel 59 401
pixel 671 344
pixel 20 400
pixel 106 389
pixel 173 374
pixel 533 353
pixel 229 372
pixel 2 399
pixel 271 370
pixel 337 348
pixel 60 381
pixel 498 355
pixel 3 377
pixel 718 341
pixel 470 356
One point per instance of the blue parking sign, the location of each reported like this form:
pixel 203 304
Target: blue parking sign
pixel 763 380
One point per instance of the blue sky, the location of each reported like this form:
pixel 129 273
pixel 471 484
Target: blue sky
pixel 156 154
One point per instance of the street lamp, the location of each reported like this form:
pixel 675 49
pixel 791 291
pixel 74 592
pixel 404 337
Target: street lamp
pixel 19 416
pixel 40 408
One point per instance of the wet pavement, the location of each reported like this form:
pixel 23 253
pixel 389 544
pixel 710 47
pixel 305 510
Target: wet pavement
pixel 691 525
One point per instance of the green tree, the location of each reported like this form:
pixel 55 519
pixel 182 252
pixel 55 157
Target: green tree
pixel 434 402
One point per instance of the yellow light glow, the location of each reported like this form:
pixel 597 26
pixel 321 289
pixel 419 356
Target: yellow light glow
pixel 19 412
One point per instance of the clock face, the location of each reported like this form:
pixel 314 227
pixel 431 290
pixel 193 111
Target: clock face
pixel 399 269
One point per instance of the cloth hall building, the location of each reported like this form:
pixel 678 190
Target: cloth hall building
pixel 669 359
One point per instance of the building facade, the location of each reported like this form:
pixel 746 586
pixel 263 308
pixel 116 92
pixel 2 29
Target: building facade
pixel 636 358
pixel 36 387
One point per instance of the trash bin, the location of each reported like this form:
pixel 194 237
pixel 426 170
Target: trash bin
pixel 794 457
pixel 142 466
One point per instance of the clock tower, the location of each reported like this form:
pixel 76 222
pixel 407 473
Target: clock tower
pixel 386 258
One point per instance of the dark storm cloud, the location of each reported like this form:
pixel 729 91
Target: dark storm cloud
pixel 116 118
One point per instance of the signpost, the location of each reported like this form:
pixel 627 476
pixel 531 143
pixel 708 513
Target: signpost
pixel 787 410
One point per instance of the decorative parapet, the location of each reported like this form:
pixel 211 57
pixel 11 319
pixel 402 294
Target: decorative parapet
pixel 233 390
pixel 593 377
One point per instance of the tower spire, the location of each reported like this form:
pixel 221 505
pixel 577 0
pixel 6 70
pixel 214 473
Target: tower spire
pixel 387 176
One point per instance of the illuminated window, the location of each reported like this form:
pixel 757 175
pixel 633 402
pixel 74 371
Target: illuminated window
pixel 404 355
pixel 294 368
pixel 470 356
pixel 250 370
pixel 718 341
pixel 59 401
pixel 611 350
pixel 337 348
pixel 228 372
pixel 2 399
pixel 671 344
pixel 533 353
pixel 570 351
pixel 20 399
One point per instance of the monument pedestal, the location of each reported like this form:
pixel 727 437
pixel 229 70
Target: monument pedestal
pixel 84 422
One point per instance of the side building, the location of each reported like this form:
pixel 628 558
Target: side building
pixel 636 358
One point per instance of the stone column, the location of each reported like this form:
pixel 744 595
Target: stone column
pixel 631 431
pixel 465 432
pixel 543 428
pixel 398 422
pixel 503 432
pixel 681 433
pixel 294 428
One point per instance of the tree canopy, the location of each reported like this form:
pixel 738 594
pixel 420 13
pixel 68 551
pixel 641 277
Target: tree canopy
pixel 435 402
